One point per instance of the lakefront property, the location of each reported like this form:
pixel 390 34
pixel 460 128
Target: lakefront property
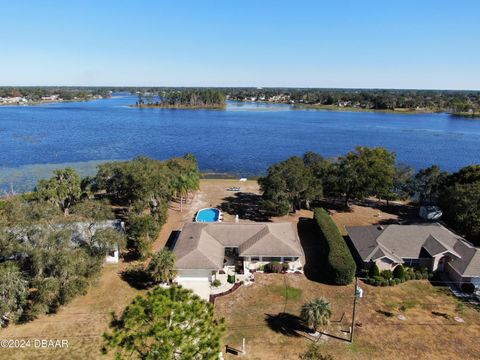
pixel 208 252
pixel 427 245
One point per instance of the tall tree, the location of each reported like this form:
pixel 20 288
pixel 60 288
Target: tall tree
pixel 316 313
pixel 62 189
pixel 460 202
pixel 427 184
pixel 365 172
pixel 166 324
pixel 286 182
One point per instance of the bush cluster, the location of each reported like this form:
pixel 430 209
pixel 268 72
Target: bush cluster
pixel 341 266
pixel 399 275
pixel 273 267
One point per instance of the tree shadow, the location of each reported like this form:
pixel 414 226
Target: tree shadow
pixel 315 248
pixel 385 313
pixel 287 324
pixel 247 206
pixel 136 277
pixel 405 213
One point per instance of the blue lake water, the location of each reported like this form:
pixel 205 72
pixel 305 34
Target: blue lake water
pixel 243 139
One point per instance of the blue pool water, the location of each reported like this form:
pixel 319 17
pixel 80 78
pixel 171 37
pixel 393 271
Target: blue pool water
pixel 208 215
pixel 244 139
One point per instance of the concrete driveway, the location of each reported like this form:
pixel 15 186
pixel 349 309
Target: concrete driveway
pixel 200 287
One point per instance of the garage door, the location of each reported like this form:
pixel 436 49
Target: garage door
pixel 195 274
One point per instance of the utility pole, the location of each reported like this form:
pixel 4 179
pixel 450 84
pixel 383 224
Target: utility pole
pixel 354 308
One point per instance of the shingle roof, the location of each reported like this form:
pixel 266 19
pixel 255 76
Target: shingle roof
pixel 407 241
pixel 201 245
pixel 434 246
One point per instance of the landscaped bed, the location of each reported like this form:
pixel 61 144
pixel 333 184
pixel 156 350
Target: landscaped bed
pixel 399 275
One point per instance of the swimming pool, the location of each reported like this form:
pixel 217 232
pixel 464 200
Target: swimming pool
pixel 208 215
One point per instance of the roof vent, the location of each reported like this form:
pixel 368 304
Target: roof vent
pixel 380 227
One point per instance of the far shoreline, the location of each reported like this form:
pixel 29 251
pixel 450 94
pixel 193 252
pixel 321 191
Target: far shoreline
pixel 180 107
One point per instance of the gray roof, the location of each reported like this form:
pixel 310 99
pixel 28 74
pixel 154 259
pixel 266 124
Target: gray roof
pixel 202 245
pixel 407 241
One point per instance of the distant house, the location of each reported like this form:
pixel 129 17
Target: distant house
pixel 203 249
pixel 424 245
pixel 81 231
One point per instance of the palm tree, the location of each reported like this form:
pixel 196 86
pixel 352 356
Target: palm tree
pixel 161 266
pixel 316 313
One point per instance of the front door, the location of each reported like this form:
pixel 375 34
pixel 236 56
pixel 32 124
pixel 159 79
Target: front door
pixel 441 264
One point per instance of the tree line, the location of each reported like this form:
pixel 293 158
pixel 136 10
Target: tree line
pixel 373 172
pixel 378 99
pixel 43 265
pixel 182 98
pixel 65 93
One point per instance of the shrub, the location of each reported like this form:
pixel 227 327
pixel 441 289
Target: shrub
pixel 364 273
pixel 399 272
pixel 341 266
pixel 231 279
pixel 285 266
pixel 468 288
pixel 418 275
pixel 385 283
pixel 424 275
pixel 374 271
pixel 216 283
pixel 371 281
pixel 273 267
pixel 261 268
pixel 407 277
pixel 397 281
pixel 391 282
pixel 386 274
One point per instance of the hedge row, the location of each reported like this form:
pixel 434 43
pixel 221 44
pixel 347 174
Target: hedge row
pixel 341 266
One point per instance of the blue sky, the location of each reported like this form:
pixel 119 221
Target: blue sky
pixel 382 44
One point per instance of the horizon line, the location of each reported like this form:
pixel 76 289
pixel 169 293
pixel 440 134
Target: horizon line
pixel 239 87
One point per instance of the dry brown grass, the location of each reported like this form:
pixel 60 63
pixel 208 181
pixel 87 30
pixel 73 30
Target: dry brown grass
pixel 81 322
pixel 423 335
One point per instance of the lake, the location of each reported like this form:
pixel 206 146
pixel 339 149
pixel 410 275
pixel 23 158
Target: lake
pixel 243 140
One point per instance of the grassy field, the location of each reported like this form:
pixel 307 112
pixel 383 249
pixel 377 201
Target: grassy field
pixel 268 320
pixel 81 322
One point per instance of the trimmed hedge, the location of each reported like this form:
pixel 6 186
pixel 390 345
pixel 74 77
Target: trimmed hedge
pixel 273 267
pixel 341 266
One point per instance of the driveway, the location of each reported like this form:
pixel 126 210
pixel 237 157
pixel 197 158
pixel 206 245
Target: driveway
pixel 200 287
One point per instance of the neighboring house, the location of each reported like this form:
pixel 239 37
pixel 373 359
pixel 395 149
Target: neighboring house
pixel 204 249
pixel 84 230
pixel 423 245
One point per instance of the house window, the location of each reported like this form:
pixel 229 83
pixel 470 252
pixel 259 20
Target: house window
pixel 271 259
pixel 412 262
pixel 254 258
pixel 287 258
